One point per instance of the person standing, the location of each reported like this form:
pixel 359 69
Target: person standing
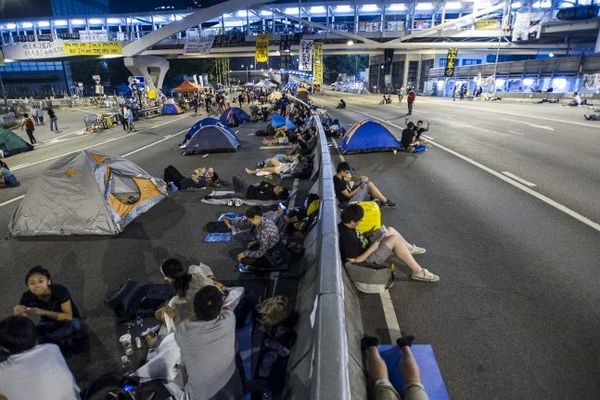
pixel 53 120
pixel 129 117
pixel 410 99
pixel 39 113
pixel 29 127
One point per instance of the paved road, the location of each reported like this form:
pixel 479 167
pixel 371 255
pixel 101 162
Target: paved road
pixel 93 267
pixel 515 314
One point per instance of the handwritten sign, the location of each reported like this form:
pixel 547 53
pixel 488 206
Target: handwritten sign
pixel 33 50
pixel 92 48
pixel 262 48
pixel 305 55
pixel 93 36
pixel 318 63
pixel 451 62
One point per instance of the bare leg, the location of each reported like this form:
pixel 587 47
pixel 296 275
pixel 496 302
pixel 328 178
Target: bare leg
pixel 375 365
pixel 270 170
pixel 394 232
pixel 409 366
pixel 375 192
pixel 401 251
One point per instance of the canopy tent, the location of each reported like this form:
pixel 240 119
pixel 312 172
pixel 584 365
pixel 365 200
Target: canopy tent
pixel 11 143
pixel 186 87
pixel 278 121
pixel 368 136
pixel 86 193
pixel 212 138
pixel 234 116
pixel 264 83
pixel 171 109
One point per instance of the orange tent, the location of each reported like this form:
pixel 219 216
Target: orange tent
pixel 186 87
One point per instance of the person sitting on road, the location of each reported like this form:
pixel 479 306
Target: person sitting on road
pixel 420 130
pixel 335 129
pixel 29 370
pixel 7 177
pixel 341 105
pixel 208 348
pixel 262 191
pixel 408 136
pixel 356 248
pixel 266 252
pixel 186 283
pixel 350 189
pixel 200 178
pixel 576 102
pixel 281 137
pixel 52 302
pixel 378 372
pixel 592 117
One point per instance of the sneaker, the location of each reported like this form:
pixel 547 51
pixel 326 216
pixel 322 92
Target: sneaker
pixel 389 203
pixel 369 341
pixel 405 341
pixel 230 202
pixel 416 250
pixel 425 276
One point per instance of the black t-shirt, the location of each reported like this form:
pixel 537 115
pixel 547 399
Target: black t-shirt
pixel 340 185
pixel 420 132
pixel 262 191
pixel 58 295
pixel 352 243
pixel 407 137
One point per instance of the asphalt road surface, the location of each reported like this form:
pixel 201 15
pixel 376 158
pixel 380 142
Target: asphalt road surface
pixel 515 314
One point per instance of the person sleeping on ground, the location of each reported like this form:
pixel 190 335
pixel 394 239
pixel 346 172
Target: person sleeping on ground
pixel 297 165
pixel 261 191
pixel 200 178
pixel 281 137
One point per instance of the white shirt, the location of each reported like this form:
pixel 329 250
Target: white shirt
pixel 39 373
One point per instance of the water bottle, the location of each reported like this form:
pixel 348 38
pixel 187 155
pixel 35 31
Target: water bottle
pixel 139 322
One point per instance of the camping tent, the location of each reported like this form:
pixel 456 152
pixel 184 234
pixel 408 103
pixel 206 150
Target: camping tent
pixel 368 136
pixel 186 87
pixel 86 193
pixel 232 114
pixel 278 121
pixel 171 109
pixel 201 123
pixel 11 143
pixel 211 138
pixel 265 83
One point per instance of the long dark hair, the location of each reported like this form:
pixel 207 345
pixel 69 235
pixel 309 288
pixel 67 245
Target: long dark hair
pixel 172 268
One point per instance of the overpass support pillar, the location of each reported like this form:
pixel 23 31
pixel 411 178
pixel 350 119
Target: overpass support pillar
pixel 152 68
pixel 597 49
pixel 405 72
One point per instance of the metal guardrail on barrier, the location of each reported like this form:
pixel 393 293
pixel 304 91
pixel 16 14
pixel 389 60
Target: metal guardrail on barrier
pixel 318 365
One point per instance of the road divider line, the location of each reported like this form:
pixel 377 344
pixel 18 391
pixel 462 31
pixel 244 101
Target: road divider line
pixel 7 202
pixel 154 143
pixel 516 133
pixel 337 148
pixel 29 164
pixel 517 178
pixel 390 315
pixel 548 128
pixel 572 213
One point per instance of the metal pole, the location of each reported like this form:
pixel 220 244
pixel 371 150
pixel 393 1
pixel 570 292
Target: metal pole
pixel 500 35
pixel 3 93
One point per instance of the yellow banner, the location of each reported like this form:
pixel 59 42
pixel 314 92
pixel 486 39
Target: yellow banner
pixel 92 48
pixel 262 48
pixel 318 63
pixel 487 24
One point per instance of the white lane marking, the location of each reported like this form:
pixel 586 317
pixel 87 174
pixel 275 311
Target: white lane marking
pixel 548 128
pixel 516 133
pixel 292 202
pixel 12 200
pixel 517 178
pixel 274 147
pixel 390 315
pixel 21 166
pixel 155 143
pixel 204 156
pixel 337 148
pixel 572 213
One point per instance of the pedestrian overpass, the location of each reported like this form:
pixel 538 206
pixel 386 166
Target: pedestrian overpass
pixel 413 28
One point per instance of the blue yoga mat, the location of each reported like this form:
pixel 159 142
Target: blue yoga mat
pixel 430 372
pixel 217 237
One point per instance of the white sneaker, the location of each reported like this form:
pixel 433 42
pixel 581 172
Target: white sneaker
pixel 425 276
pixel 416 250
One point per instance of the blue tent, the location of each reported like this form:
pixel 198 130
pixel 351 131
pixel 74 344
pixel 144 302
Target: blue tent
pixel 278 121
pixel 368 136
pixel 240 115
pixel 215 138
pixel 171 109
pixel 201 123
